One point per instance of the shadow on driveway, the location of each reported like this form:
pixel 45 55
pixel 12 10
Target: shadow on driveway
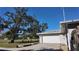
pixel 4 50
pixel 44 50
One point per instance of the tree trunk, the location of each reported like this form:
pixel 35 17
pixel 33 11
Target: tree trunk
pixel 12 41
pixel 13 38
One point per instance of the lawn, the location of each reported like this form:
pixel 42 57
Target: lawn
pixel 7 44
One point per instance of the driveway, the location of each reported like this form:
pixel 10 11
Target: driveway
pixel 37 47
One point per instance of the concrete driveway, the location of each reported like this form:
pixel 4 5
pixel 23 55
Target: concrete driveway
pixel 37 47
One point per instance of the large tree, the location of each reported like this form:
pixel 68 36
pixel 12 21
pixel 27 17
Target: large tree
pixel 20 21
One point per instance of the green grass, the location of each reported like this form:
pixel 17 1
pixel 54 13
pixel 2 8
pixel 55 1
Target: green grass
pixel 4 41
pixel 6 44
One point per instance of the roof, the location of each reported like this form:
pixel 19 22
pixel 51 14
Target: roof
pixel 50 32
pixel 70 21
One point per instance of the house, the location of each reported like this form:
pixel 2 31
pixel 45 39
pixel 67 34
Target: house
pixel 62 36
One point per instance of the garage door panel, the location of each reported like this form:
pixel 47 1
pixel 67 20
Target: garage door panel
pixel 51 39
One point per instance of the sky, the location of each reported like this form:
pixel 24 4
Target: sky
pixel 50 15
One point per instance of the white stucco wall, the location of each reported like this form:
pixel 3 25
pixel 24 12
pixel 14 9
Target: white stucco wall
pixel 63 39
pixel 41 39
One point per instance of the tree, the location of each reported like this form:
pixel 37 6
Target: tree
pixel 21 21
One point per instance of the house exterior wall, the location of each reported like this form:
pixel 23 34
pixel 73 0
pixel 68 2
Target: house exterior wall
pixel 41 39
pixel 63 39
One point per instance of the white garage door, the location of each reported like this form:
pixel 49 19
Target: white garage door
pixel 51 39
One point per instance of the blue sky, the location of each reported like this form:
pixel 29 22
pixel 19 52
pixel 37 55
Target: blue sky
pixel 50 15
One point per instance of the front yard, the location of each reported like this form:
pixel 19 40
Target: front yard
pixel 7 44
